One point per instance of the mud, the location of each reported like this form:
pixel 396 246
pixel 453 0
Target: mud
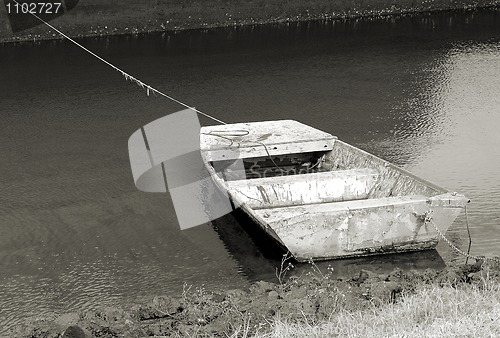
pixel 200 313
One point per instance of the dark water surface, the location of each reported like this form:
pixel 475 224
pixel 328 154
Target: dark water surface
pixel 421 91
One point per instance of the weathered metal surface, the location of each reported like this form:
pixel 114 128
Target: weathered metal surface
pixel 354 228
pixel 257 139
pixel 393 181
pixel 311 188
pixel 357 205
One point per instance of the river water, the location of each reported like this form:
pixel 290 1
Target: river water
pixel 422 91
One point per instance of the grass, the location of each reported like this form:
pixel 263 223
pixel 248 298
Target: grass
pixel 431 311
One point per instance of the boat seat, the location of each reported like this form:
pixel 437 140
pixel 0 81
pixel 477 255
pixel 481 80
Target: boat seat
pixel 312 188
pixel 259 139
pixel 322 210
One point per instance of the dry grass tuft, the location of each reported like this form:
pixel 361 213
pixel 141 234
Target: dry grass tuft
pixel 431 311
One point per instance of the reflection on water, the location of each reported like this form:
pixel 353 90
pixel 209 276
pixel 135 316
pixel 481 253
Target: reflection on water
pixel 448 132
pixel 420 91
pixel 260 258
pixel 466 148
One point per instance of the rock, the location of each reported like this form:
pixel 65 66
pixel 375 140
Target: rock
pixel 167 305
pixel 365 276
pixel 272 295
pixel 297 292
pixel 157 329
pixel 159 307
pixel 261 287
pixel 67 319
pixel 145 312
pixel 468 268
pixel 297 308
pixel 37 329
pixel 451 275
pixel 74 331
pixel 236 294
pixel 395 275
pixel 492 264
pixel 237 297
pixel 262 307
pixel 428 276
pixel 108 315
pixel 217 297
pixel 384 291
pixel 476 276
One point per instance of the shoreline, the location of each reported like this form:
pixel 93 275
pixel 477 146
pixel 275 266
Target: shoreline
pixel 79 23
pixel 315 297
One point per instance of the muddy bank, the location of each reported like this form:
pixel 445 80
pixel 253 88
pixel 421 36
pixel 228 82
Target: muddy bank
pixel 200 313
pixel 94 18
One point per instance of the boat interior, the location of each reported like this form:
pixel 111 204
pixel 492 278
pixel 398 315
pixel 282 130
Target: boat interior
pixel 342 174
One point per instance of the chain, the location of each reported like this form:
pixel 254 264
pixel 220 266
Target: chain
pixel 428 219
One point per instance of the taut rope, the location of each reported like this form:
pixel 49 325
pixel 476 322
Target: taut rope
pixel 126 75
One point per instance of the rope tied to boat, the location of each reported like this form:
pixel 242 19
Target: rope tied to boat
pixel 226 134
pixel 149 89
pixel 427 218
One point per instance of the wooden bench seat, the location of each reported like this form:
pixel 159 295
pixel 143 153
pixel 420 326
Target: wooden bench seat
pixel 320 187
pixel 257 139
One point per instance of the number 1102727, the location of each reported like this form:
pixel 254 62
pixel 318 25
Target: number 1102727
pixel 34 7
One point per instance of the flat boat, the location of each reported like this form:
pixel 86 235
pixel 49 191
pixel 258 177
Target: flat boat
pixel 321 198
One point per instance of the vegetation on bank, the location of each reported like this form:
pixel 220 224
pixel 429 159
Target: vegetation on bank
pixel 462 300
pixel 97 18
pixel 466 310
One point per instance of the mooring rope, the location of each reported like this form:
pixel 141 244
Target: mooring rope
pixel 428 219
pixel 224 134
pixel 227 133
pixel 149 89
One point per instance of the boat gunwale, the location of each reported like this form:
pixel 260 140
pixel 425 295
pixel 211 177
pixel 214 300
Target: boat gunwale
pixel 396 167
